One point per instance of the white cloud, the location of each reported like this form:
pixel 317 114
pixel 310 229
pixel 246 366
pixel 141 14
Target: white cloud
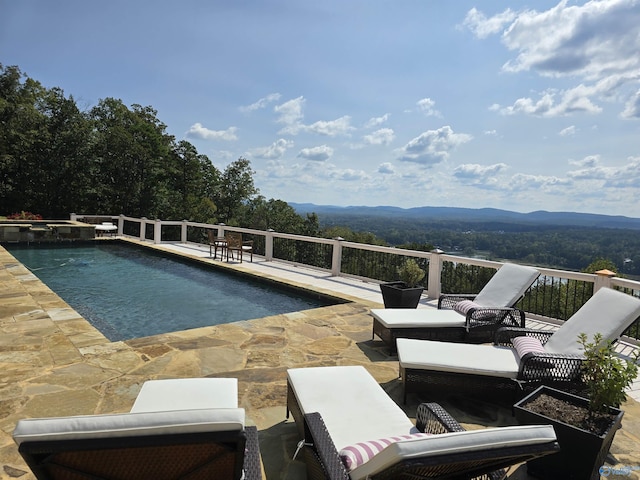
pixel 383 136
pixel 331 128
pixel 432 146
pixel 198 131
pixel 588 161
pixel 626 176
pixel 482 26
pixel 474 171
pixel 317 154
pixel 568 132
pixel 376 121
pixel 596 43
pixel 290 114
pixel 632 107
pixel 426 106
pixel 386 168
pixel 275 150
pixel 262 103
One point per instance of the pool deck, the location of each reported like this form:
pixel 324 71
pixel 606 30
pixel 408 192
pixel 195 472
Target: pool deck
pixel 54 363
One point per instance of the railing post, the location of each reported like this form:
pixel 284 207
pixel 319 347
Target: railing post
pixel 603 279
pixel 73 217
pixel 121 224
pixel 268 245
pixel 434 288
pixel 143 227
pixel 336 258
pixel 183 232
pixel 220 230
pixel 157 231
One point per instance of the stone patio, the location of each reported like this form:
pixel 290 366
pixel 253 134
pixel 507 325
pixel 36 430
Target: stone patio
pixel 54 363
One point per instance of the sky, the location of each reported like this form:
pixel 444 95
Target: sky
pixel 516 105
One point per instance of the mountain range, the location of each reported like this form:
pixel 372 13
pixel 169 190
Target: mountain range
pixel 471 215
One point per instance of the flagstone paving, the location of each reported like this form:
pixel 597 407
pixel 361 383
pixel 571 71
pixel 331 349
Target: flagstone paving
pixel 54 363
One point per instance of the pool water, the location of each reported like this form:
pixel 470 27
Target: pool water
pixel 130 292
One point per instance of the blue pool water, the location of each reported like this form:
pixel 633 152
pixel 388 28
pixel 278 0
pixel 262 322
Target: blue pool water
pixel 130 292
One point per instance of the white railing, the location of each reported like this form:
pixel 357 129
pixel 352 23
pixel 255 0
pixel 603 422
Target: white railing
pixel 335 252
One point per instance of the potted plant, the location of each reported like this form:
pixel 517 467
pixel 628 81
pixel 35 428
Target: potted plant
pixel 404 293
pixel 585 427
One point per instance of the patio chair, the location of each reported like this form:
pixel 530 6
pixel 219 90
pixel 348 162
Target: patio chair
pixel 215 244
pixel 236 244
pixel 521 359
pixel 461 317
pixel 351 429
pixel 183 428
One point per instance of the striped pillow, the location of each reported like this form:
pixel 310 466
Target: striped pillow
pixel 524 345
pixel 355 455
pixel 463 306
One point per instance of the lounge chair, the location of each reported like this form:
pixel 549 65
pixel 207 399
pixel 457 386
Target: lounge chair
pixel 461 318
pixel 516 363
pixel 345 419
pixel 184 428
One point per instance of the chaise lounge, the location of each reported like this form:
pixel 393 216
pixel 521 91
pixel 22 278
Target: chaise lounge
pixel 461 317
pixel 183 428
pixel 351 429
pixel 521 359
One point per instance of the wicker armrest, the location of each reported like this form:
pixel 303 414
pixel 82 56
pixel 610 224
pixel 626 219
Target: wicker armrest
pixel 448 300
pixel 326 451
pixel 252 466
pixel 504 335
pixel 484 316
pixel 550 366
pixel 432 418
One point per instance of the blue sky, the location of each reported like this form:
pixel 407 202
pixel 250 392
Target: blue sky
pixel 513 105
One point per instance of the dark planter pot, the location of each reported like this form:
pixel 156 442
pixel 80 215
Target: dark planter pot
pixel 582 453
pixel 399 295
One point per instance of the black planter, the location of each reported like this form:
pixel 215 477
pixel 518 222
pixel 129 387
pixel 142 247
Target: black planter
pixel 399 295
pixel 582 453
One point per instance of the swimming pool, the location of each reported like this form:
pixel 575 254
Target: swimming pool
pixel 131 292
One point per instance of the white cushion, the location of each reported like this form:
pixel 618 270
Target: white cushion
pixel 355 455
pixel 458 442
pixel 354 407
pixel 129 424
pixel 608 312
pixel 490 360
pixel 186 394
pixel 415 318
pixel 507 285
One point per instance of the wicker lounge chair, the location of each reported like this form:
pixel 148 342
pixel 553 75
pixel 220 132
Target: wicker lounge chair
pixel 186 428
pixel 336 409
pixel 512 367
pixel 477 322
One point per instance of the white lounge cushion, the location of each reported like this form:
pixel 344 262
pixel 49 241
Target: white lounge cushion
pixel 507 285
pixel 491 360
pixel 186 394
pixel 458 442
pixel 608 312
pixel 416 318
pixel 354 407
pixel 129 424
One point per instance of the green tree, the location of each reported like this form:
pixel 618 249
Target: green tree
pixel 235 190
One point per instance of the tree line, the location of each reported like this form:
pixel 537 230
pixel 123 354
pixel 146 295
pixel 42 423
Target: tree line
pixel 56 159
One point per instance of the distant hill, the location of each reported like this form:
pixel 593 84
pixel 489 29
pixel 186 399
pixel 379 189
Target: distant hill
pixel 471 215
